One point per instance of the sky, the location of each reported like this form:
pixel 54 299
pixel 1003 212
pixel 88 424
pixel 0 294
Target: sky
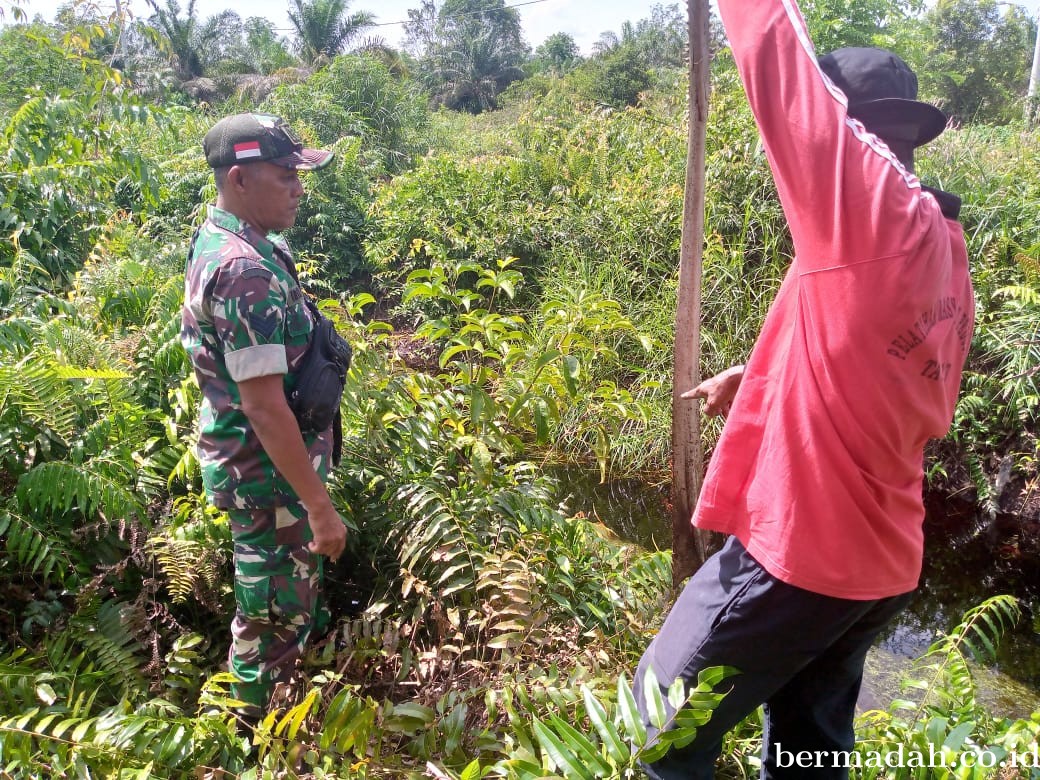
pixel 584 20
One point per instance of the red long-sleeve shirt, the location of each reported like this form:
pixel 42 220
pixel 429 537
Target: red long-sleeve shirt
pixel 819 468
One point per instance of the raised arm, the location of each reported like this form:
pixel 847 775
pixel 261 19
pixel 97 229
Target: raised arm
pixel 839 185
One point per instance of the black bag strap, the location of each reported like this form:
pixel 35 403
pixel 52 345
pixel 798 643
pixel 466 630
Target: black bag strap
pixel 289 264
pixel 191 245
pixel 337 438
pixel 337 421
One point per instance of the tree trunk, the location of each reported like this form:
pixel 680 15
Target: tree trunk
pixel 690 548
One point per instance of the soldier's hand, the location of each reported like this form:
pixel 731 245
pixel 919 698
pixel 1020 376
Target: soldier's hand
pixel 330 535
pixel 718 392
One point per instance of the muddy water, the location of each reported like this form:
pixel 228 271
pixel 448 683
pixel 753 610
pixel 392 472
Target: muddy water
pixel 965 563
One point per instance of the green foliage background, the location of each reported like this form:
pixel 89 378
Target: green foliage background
pixel 508 282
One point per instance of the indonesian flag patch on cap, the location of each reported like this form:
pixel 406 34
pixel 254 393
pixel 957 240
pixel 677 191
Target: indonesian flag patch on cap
pixel 247 150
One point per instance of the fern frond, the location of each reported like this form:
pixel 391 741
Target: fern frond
pixel 349 723
pixel 17 336
pixel 165 305
pixel 169 357
pixel 91 488
pixel 76 372
pixel 111 647
pixel 982 628
pixel 35 549
pixel 986 497
pixel 21 120
pixel 178 560
pixel 187 468
pixel 159 353
pixel 520 509
pixel 110 433
pixel 71 344
pixel 156 740
pixel 645 584
pixel 19 676
pixel 42 396
pixel 513 616
pixel 942 674
pixel 86 362
pixel 184 672
pixel 1019 293
pixel 437 552
pixel 161 469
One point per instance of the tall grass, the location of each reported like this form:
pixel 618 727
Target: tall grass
pixel 590 200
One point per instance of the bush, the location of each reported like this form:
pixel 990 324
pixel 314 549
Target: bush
pixel 357 96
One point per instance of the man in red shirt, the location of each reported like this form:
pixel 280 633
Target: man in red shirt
pixel 817 476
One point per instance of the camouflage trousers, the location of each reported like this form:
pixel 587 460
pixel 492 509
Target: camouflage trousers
pixel 278 599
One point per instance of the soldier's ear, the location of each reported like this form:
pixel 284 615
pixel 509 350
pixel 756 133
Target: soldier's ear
pixel 237 177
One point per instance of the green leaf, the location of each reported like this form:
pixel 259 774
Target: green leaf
pixel 630 713
pixel 359 300
pixel 451 352
pixel 293 719
pixel 558 753
pixel 417 274
pixel 662 744
pixel 46 694
pixel 955 739
pixel 601 448
pixel 409 717
pixel 479 404
pixel 509 640
pixel 935 730
pixel 545 359
pixel 541 420
pixel 708 678
pixel 616 748
pixel 571 372
pixel 654 700
pixel 519 769
pixel 677 693
pixel 472 771
pixel 583 747
pixel 482 462
pixel 80 732
pixel 417 290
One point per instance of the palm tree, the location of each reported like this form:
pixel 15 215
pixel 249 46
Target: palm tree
pixel 469 51
pixel 474 72
pixel 324 29
pixel 193 43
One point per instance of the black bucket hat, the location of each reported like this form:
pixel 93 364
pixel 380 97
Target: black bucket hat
pixel 245 138
pixel 882 92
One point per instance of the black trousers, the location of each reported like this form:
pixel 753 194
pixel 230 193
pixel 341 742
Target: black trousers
pixel 799 653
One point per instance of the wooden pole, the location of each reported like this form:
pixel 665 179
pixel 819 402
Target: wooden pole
pixel 1034 80
pixel 689 548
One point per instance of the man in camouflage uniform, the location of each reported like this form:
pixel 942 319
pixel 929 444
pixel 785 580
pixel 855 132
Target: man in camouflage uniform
pixel 247 328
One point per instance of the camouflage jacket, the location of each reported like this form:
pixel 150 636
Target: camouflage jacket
pixel 243 317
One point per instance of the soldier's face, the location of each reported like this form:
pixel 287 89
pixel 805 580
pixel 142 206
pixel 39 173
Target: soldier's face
pixel 273 194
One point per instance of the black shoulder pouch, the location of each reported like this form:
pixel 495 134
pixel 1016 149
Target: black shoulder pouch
pixel 315 398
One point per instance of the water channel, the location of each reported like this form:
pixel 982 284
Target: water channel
pixel 965 563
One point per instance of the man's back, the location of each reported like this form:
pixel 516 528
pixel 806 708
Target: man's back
pixel 819 468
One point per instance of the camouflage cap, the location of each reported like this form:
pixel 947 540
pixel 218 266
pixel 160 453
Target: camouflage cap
pixel 245 138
